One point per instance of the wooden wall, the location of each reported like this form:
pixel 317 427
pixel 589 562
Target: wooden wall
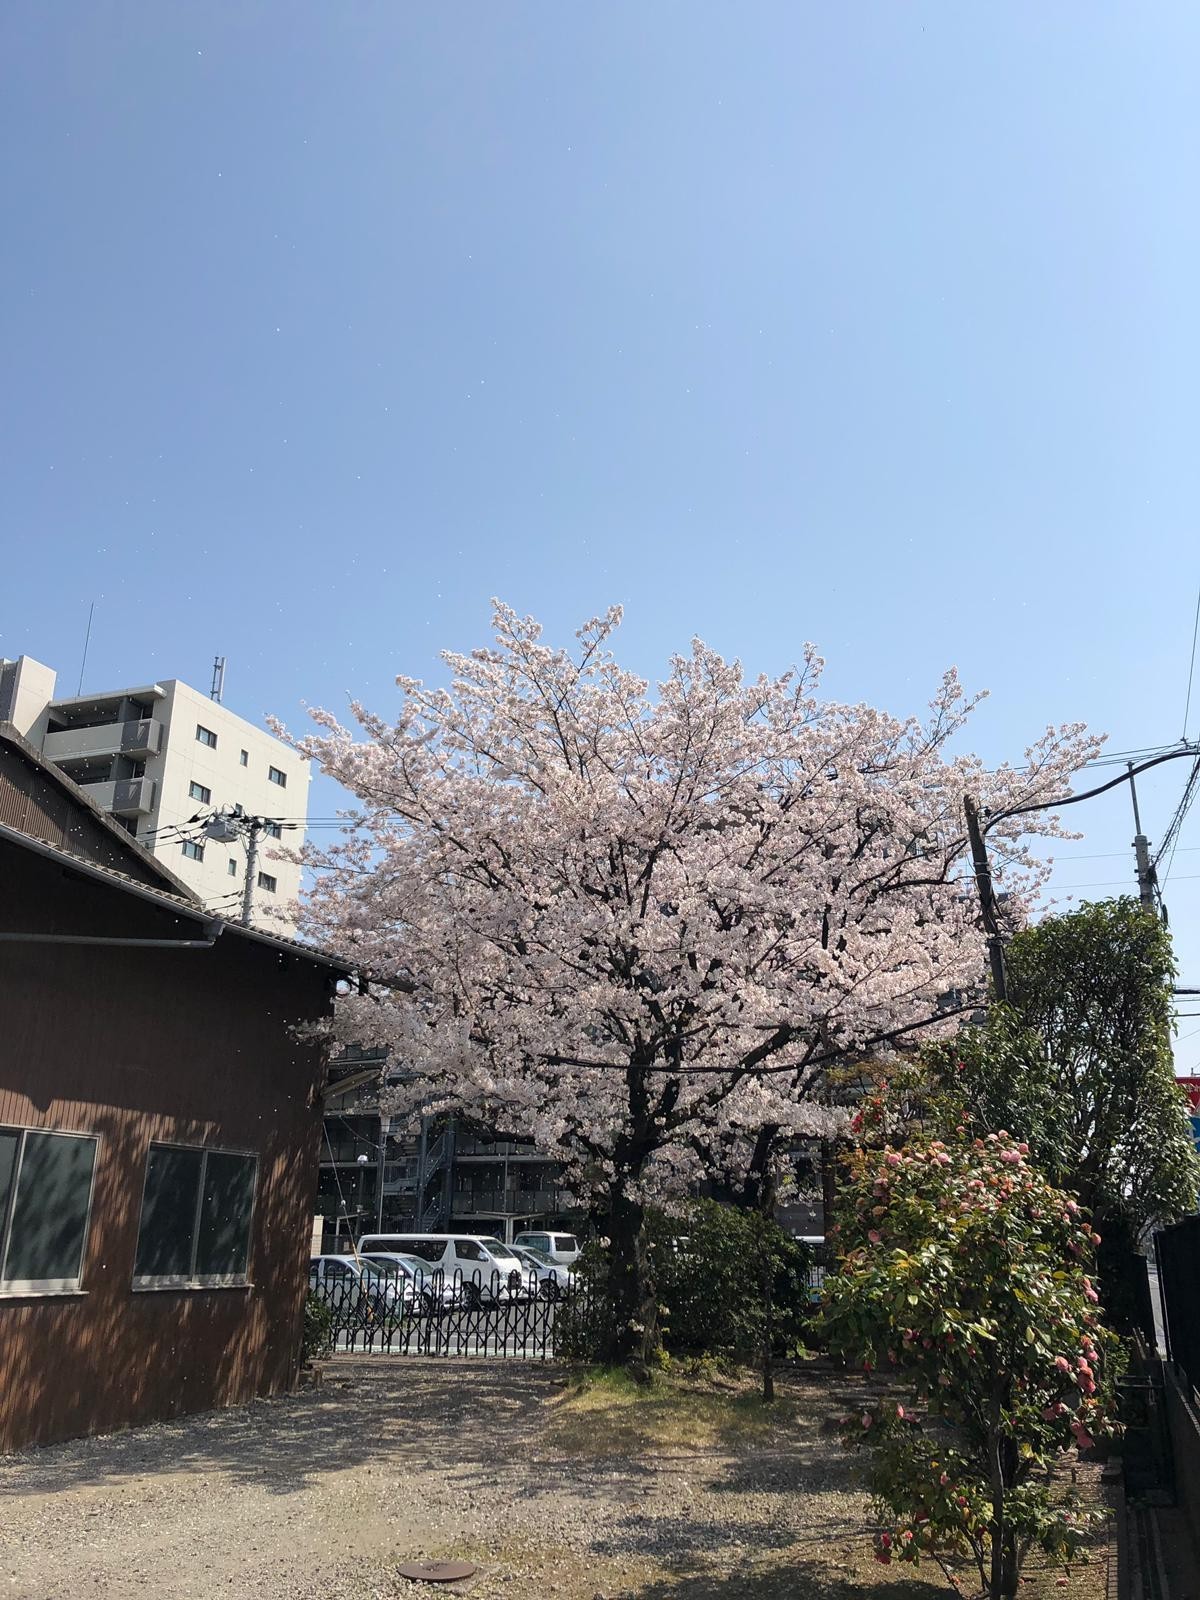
pixel 192 1046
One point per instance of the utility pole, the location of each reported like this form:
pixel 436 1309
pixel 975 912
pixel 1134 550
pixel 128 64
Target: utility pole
pixel 987 897
pixel 226 827
pixel 1146 877
pixel 254 826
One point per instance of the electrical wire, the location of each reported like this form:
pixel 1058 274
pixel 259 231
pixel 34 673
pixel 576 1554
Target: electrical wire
pixel 1187 706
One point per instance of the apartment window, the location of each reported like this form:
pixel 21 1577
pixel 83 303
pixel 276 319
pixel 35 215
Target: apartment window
pixel 245 758
pixel 232 867
pixel 273 830
pixel 192 850
pixel 198 792
pixel 206 736
pixel 267 882
pixel 45 1201
pixel 197 1207
pixel 277 775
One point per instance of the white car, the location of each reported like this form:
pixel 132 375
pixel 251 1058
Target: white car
pixel 542 1276
pixel 486 1267
pixel 561 1248
pixel 344 1282
pixel 420 1283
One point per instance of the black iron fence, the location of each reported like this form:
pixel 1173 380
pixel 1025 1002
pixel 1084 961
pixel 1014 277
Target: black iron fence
pixel 438 1315
pixel 1178 1252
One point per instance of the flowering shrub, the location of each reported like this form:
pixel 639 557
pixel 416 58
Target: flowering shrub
pixel 964 1273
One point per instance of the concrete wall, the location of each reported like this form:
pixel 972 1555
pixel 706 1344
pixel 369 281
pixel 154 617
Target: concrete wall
pixel 185 760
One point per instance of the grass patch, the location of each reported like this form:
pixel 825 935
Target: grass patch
pixel 605 1412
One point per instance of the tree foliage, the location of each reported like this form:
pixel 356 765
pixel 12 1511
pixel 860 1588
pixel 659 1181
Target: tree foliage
pixel 1079 1065
pixel 634 923
pixel 966 1274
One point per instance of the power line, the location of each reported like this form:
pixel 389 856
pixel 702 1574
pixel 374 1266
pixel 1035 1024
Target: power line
pixel 1187 706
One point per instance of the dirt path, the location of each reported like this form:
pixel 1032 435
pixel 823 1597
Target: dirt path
pixel 319 1496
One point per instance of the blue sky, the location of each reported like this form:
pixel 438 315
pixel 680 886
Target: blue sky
pixel 872 325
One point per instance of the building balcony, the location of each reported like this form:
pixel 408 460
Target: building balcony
pixel 138 739
pixel 497 1203
pixel 470 1148
pixel 126 797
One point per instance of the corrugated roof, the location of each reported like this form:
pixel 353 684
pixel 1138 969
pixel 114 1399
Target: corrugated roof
pixel 178 898
pixel 79 797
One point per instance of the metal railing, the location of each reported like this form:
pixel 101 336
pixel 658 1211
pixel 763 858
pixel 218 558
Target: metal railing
pixel 500 1315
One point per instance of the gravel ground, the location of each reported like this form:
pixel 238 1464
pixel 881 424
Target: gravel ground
pixel 320 1495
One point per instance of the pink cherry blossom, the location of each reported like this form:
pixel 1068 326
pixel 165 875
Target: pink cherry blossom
pixel 639 924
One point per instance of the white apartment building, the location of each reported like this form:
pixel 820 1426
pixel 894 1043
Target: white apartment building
pixel 158 757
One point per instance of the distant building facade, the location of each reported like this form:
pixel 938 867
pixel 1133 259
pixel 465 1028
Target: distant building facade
pixel 156 756
pixel 439 1175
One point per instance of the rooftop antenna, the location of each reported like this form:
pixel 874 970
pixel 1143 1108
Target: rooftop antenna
pixel 218 679
pixel 87 639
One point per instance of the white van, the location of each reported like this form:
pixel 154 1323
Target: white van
pixel 477 1257
pixel 560 1248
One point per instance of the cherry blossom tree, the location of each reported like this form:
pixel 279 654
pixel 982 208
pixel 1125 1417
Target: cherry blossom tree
pixel 635 924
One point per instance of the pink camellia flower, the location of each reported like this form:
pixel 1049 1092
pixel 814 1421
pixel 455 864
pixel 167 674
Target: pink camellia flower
pixel 906 1536
pixel 1062 1363
pixel 866 1419
pixel 1011 1156
pixel 1090 1294
pixel 1089 1387
pixel 885 1540
pixel 944 1479
pixel 875 1236
pixel 1072 1208
pixel 892 1159
pixel 1082 1366
pixel 961 1500
pixel 1049 1413
pixel 1082 1437
pixel 1096 1238
pixel 1023 1148
pixel 900 1413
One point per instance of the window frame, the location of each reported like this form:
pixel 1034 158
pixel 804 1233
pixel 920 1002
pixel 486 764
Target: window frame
pixel 148 1283
pixel 277 775
pixel 273 830
pixel 192 849
pixel 15 1288
pixel 268 883
pixel 199 791
pixel 206 737
pixel 244 758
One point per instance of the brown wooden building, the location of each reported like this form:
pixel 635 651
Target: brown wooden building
pixel 159 1128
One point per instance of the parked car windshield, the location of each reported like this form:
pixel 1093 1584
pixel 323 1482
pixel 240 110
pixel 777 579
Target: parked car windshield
pixel 500 1251
pixel 383 1269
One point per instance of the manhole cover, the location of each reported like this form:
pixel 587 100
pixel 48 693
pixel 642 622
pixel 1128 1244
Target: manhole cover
pixel 436 1571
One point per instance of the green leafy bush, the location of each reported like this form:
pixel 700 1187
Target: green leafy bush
pixel 318 1329
pixel 965 1273
pixel 727 1281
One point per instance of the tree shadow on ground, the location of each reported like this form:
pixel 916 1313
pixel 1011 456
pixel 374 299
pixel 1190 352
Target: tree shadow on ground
pixel 794 1580
pixel 394 1413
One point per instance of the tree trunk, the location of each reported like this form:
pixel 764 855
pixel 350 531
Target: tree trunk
pixel 633 1337
pixel 1006 1560
pixel 767 1269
